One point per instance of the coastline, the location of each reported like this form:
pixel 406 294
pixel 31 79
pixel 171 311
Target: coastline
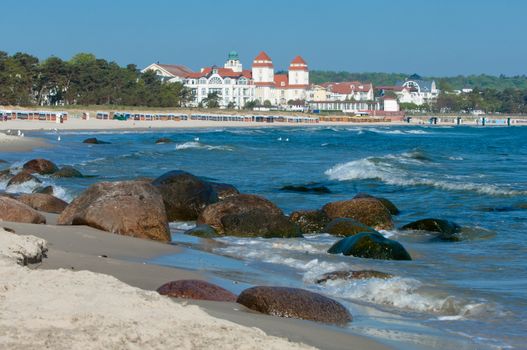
pixel 81 248
pixel 9 143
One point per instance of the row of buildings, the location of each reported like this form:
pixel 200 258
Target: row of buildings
pixel 235 86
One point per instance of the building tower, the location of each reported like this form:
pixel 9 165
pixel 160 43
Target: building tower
pixel 298 73
pixel 233 62
pixel 263 70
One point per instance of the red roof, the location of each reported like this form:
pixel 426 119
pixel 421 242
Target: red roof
pixel 262 56
pixel 298 60
pixel 348 87
pixel 281 80
pixel 222 72
pixel 176 70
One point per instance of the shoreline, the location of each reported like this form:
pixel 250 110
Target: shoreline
pixel 81 248
pixel 109 125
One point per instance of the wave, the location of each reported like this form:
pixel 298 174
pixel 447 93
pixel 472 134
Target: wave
pixel 308 257
pixel 389 131
pixel 199 145
pixel 388 169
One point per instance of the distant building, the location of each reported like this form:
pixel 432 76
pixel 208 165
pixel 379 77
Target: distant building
pixel 416 91
pixel 346 91
pixel 279 89
pixel 169 72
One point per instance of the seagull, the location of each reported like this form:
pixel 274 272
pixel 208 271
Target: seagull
pixel 19 132
pixel 22 135
pixel 196 139
pixel 279 139
pixel 287 140
pixel 58 138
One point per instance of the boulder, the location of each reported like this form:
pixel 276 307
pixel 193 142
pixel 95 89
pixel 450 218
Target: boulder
pixel 45 190
pixel 196 289
pixel 310 221
pixel 224 190
pixel 369 211
pixel 248 215
pixel 22 177
pixel 130 208
pixel 370 245
pixel 203 231
pixel 43 202
pixel 448 230
pixel 294 303
pixel 40 166
pixel 392 208
pixel 185 196
pixel 67 171
pixel 308 188
pixel 346 227
pixel 95 141
pixel 13 210
pixel 163 140
pixel 5 175
pixel 2 161
pixel 352 275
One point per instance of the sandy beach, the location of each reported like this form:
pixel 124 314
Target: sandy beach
pixel 94 300
pixel 11 143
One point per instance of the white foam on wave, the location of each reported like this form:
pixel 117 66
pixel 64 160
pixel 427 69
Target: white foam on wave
pixel 307 256
pixel 199 145
pixel 389 171
pixel 397 131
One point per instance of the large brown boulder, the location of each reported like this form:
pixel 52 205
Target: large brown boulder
pixel 43 202
pixel 294 303
pixel 185 196
pixel 447 230
pixel 369 211
pixel 40 166
pixel 13 210
pixel 131 208
pixel 370 245
pixel 224 190
pixel 388 204
pixel 67 171
pixel 310 221
pixel 22 177
pixel 346 227
pixel 196 289
pixel 248 215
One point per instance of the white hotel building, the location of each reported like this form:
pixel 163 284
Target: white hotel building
pixel 236 86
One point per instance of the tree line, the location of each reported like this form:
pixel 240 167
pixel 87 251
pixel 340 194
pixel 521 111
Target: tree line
pixel 83 80
pixel 482 81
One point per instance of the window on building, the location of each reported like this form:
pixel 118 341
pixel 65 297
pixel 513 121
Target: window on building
pixel 227 81
pixel 203 81
pixel 215 81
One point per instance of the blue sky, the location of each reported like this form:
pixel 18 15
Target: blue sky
pixel 441 37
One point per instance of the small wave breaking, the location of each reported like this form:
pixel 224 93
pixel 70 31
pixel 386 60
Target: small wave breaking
pixel 203 146
pixel 390 169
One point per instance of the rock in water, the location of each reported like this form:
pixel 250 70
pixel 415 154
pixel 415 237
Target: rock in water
pixel 369 211
pixel 67 171
pixel 352 275
pixel 163 140
pixel 131 208
pixel 248 215
pixel 203 231
pixel 185 195
pixel 95 141
pixel 448 230
pixel 43 202
pixel 224 190
pixel 309 188
pixel 196 289
pixel 45 190
pixel 294 303
pixel 370 245
pixel 310 221
pixel 346 227
pixel 13 210
pixel 40 166
pixel 392 208
pixel 21 178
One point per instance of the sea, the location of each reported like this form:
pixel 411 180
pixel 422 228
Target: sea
pixel 470 294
